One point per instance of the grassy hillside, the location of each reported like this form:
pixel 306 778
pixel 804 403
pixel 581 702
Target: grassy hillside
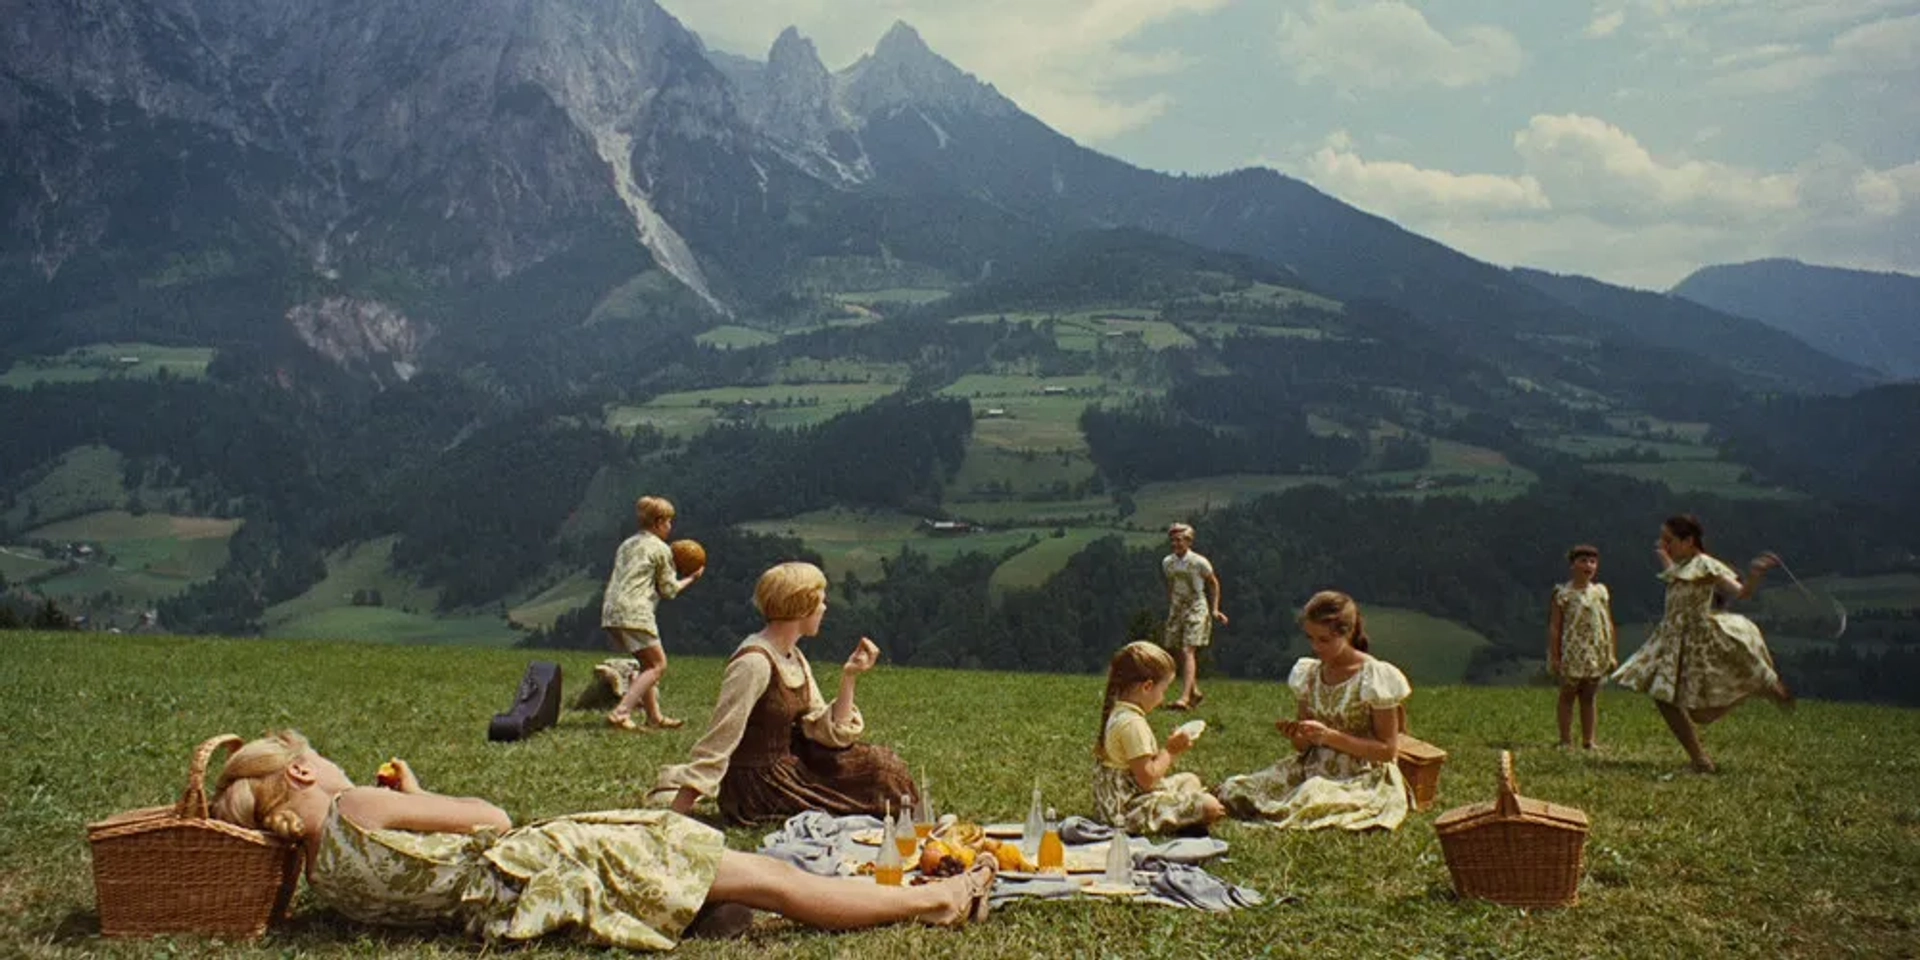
pixel 1807 845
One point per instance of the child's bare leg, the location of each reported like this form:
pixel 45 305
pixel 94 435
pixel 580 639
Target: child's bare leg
pixel 831 903
pixel 1187 678
pixel 1688 735
pixel 653 663
pixel 1589 712
pixel 1564 713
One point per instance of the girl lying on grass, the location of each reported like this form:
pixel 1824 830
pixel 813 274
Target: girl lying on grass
pixel 624 878
pixel 1133 785
pixel 1347 726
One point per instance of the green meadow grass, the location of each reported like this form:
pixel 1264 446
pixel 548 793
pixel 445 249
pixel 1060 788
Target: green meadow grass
pixel 1688 476
pixel 687 413
pixel 734 337
pixel 101 361
pixel 1806 845
pixel 83 480
pixel 1031 568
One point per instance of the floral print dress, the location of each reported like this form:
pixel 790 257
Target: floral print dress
pixel 1586 631
pixel 1179 801
pixel 1189 621
pixel 1322 787
pixel 623 878
pixel 1698 658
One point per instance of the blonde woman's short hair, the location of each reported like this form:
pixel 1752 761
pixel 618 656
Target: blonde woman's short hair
pixel 253 789
pixel 790 591
pixel 1180 529
pixel 652 510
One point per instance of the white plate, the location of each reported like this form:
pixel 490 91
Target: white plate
pixel 1032 875
pixel 1192 728
pixel 1003 831
pixel 1112 890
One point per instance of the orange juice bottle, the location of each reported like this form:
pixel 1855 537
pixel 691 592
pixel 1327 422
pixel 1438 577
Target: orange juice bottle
pixel 1053 853
pixel 923 820
pixel 888 866
pixel 906 834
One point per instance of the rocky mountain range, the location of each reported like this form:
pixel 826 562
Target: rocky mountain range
pixel 397 186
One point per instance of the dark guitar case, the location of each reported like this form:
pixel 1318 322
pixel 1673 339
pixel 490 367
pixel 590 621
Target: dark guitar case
pixel 535 707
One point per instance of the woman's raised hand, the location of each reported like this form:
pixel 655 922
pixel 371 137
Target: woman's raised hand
pixel 1761 564
pixel 865 657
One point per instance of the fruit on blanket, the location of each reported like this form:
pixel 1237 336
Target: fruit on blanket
pixel 389 775
pixel 1010 859
pixel 688 556
pixel 931 853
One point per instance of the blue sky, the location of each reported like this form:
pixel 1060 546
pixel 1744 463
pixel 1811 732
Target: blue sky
pixel 1630 140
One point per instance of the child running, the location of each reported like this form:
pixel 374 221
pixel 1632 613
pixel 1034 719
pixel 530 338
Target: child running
pixel 1700 663
pixel 1581 644
pixel 643 575
pixel 1193 607
pixel 1133 786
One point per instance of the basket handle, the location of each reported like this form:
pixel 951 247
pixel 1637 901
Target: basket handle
pixel 193 803
pixel 1507 800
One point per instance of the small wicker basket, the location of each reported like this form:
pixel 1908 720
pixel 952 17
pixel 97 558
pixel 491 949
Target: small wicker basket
pixel 1515 851
pixel 1420 763
pixel 173 870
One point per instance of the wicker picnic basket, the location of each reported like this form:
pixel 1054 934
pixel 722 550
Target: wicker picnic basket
pixel 172 870
pixel 1420 763
pixel 1515 851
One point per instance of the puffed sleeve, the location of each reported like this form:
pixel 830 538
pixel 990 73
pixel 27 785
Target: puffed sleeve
pixel 1302 676
pixel 1129 737
pixel 1383 686
pixel 665 580
pixel 1205 565
pixel 1700 567
pixel 817 723
pixel 741 687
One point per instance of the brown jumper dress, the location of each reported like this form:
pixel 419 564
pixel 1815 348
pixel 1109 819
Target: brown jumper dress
pixel 776 771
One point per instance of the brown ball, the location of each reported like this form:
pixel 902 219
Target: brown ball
pixel 688 556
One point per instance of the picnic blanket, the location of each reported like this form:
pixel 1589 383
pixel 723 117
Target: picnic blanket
pixel 1169 871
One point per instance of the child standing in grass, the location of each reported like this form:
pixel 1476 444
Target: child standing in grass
pixel 643 575
pixel 1133 785
pixel 1193 607
pixel 1581 643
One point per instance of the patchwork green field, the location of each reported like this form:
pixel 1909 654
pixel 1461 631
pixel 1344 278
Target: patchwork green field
pixel 1031 568
pixel 84 479
pixel 353 569
pixel 390 625
pixel 854 541
pixel 1687 476
pixel 143 558
pixel 101 361
pixel 1589 446
pixel 1801 847
pixel 1158 504
pixel 778 405
pixel 566 596
pixel 734 337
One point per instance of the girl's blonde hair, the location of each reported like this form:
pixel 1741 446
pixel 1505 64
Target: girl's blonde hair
pixel 1180 529
pixel 1137 663
pixel 790 591
pixel 1336 609
pixel 652 510
pixel 253 789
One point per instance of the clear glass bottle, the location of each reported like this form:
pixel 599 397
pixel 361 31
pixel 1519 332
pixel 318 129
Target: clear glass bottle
pixel 923 819
pixel 1119 860
pixel 906 835
pixel 1036 826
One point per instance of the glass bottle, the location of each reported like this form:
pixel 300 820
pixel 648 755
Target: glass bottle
pixel 1053 853
pixel 887 865
pixel 923 821
pixel 1119 860
pixel 906 832
pixel 1036 825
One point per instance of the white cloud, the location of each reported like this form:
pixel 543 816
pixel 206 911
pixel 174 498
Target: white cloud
pixel 1606 24
pixel 1590 165
pixel 1415 192
pixel 1590 198
pixel 1064 61
pixel 1389 45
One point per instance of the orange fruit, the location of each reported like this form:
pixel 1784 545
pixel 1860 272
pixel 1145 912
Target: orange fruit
pixel 1009 857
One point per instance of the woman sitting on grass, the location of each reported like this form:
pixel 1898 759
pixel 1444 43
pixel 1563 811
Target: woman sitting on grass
pixel 624 878
pixel 1348 722
pixel 775 747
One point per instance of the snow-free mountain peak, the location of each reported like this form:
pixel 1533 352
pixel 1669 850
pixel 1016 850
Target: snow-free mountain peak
pixel 903 72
